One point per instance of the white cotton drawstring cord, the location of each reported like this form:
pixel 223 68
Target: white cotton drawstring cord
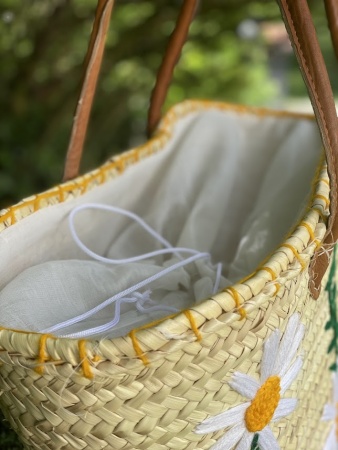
pixel 124 293
pixel 132 216
pixel 123 297
pixel 138 298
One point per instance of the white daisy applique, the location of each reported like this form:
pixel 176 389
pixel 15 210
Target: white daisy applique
pixel 331 414
pixel 265 404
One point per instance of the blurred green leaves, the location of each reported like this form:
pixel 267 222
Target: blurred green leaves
pixel 42 46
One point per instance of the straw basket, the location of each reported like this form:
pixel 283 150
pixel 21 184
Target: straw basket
pixel 165 385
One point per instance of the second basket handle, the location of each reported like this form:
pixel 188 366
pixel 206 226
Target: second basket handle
pixel 332 16
pixel 298 22
pixel 92 65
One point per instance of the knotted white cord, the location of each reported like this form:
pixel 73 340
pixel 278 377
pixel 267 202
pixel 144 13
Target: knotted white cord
pixel 124 296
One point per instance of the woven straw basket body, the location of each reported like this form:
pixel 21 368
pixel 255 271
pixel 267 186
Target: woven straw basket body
pixel 150 389
pixel 162 385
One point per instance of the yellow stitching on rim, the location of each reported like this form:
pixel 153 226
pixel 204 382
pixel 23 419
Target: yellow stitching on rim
pixel 36 204
pixel 270 271
pixel 43 355
pixel 102 175
pixel 193 324
pixel 120 164
pixel 297 255
pixel 235 296
pixel 309 229
pixel 246 278
pixel 84 185
pixel 139 352
pixel 322 197
pixel 13 217
pixel 132 334
pixel 311 233
pixel 87 370
pixel 324 180
pixel 61 194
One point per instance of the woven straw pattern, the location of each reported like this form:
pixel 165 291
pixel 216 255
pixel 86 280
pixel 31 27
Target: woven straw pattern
pixel 66 394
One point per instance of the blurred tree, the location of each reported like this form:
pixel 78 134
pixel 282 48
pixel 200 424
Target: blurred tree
pixel 42 46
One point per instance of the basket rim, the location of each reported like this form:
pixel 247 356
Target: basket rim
pixel 209 316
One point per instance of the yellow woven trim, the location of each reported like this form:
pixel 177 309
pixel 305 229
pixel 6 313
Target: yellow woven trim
pixel 270 271
pixel 311 233
pixel 193 324
pixel 61 194
pixel 139 352
pixel 136 345
pixel 244 279
pixel 120 165
pixel 43 355
pixel 86 180
pixel 324 180
pixel 322 197
pixel 309 229
pixel 196 105
pixel 235 296
pixel 297 255
pixel 86 368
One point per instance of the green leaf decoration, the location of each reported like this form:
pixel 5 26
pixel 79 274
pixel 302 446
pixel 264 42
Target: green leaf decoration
pixel 332 323
pixel 254 445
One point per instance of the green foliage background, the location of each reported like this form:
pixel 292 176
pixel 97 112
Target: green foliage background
pixel 42 46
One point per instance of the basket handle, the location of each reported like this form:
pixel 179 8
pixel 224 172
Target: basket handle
pixel 92 65
pixel 298 22
pixel 331 7
pixel 169 61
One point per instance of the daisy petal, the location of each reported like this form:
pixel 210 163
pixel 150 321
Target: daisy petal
pixel 291 375
pixel 230 439
pixel 269 355
pixel 244 385
pixel 290 342
pixel 267 440
pixel 286 406
pixel 246 441
pixel 223 420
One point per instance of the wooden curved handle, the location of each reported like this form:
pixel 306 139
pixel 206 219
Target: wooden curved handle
pixel 332 15
pixel 298 21
pixel 169 61
pixel 92 69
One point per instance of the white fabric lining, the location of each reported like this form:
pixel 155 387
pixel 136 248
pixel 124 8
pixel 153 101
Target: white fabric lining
pixel 228 184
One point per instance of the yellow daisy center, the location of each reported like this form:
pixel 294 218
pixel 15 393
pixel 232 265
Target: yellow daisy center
pixel 264 405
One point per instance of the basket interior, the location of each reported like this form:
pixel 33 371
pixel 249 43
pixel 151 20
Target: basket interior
pixel 227 183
